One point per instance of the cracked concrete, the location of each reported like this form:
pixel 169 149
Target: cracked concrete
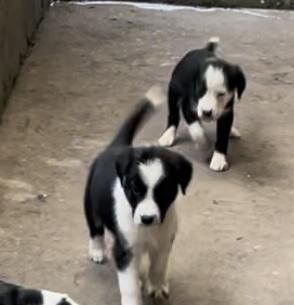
pixel 86 71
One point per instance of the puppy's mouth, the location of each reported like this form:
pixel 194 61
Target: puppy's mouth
pixel 207 119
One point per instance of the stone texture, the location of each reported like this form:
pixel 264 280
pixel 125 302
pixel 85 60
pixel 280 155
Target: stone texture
pixel 18 21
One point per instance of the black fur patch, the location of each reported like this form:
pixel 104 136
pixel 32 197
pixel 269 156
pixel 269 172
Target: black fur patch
pixel 11 294
pixel 63 302
pixel 122 253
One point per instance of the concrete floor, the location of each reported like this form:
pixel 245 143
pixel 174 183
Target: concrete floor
pixel 89 66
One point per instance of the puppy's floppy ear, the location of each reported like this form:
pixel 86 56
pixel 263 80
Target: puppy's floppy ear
pixel 239 80
pixel 122 164
pixel 183 171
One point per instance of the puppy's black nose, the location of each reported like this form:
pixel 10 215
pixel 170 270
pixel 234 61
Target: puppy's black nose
pixel 148 220
pixel 207 113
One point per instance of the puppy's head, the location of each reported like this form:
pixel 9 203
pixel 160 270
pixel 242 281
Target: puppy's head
pixel 216 87
pixel 151 178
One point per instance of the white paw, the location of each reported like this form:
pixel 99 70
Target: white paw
pixel 219 162
pixel 235 133
pixel 97 256
pixel 168 137
pixel 158 292
pixel 131 301
pixel 97 250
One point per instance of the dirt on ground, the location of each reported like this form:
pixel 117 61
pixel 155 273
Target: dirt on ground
pixel 87 70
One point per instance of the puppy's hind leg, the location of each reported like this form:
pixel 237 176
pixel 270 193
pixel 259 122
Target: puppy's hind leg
pixel 96 231
pixel 169 135
pixel 97 248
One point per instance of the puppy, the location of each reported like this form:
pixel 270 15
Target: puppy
pixel 11 294
pixel 204 87
pixel 131 193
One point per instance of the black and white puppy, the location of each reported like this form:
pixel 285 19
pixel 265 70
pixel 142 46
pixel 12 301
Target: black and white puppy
pixel 204 86
pixel 12 294
pixel 131 192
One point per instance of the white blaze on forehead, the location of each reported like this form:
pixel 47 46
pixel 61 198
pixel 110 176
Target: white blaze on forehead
pixel 215 79
pixel 151 172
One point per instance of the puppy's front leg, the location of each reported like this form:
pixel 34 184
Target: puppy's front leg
pixel 219 159
pixel 198 135
pixel 128 275
pixel 195 128
pixel 129 285
pixel 157 285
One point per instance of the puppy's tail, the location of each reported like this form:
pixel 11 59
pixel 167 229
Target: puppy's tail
pixel 152 99
pixel 212 44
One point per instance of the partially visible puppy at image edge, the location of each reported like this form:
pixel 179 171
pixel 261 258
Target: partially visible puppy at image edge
pixel 203 86
pixel 131 192
pixel 12 294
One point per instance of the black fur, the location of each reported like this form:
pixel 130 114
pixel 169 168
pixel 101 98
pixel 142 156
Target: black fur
pixel 122 253
pixel 11 294
pixel 188 85
pixel 120 161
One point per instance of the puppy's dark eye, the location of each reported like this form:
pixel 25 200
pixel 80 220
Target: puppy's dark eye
pixel 134 188
pixel 221 94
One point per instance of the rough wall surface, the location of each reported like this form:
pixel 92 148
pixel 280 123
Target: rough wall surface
pixel 18 21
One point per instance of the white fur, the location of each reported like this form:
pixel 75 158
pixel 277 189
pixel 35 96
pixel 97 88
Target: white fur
pixel 219 162
pixel 53 298
pixel 215 83
pixel 147 208
pixel 128 279
pixel 97 249
pixel 214 39
pixel 215 79
pixel 156 96
pixel 129 285
pixel 197 134
pixel 136 235
pixel 154 240
pixel 123 213
pixel 152 173
pixel 235 133
pixel 168 137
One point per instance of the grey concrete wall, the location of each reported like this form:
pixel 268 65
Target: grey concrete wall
pixel 18 22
